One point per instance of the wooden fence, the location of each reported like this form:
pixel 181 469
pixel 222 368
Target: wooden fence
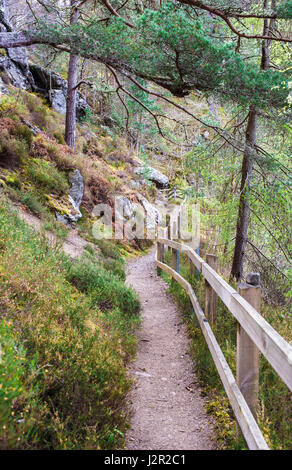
pixel 254 334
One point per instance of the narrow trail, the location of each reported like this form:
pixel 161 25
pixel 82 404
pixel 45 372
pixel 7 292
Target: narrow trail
pixel 166 414
pixel 73 246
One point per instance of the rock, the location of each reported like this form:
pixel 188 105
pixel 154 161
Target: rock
pixel 128 208
pixel 154 175
pixel 68 207
pixel 14 61
pixel 143 374
pixel 205 134
pixel 77 187
pixel 253 279
pixel 18 72
pixel 135 184
pixel 34 129
pixel 65 209
pixel 54 88
pixel 57 100
pixel 153 216
pixel 14 73
pixel 3 89
pixel 124 208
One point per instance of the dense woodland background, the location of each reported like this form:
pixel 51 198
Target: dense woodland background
pixel 202 92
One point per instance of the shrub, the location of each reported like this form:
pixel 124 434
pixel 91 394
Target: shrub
pixel 15 369
pixel 116 267
pixel 109 250
pixel 45 174
pixel 105 288
pixel 12 151
pixel 59 137
pixel 64 371
pixel 13 180
pixel 32 201
pixel 11 107
pixel 60 230
pixel 22 132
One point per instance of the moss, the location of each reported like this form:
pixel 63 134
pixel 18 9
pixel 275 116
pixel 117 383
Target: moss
pixel 59 137
pixel 13 180
pixel 11 107
pixel 62 205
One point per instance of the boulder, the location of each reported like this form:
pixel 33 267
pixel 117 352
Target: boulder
pixel 153 216
pixel 77 187
pixel 154 175
pixel 124 208
pixel 68 207
pixel 54 88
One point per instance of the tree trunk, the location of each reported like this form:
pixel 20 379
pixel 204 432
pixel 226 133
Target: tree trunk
pixel 70 125
pixel 247 164
pixel 243 210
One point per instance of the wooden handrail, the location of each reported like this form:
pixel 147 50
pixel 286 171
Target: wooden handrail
pixel 246 421
pixel 272 345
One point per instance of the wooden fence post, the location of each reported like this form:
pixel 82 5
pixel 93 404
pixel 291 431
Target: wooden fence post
pixel 192 268
pixel 169 235
pixel 160 255
pixel 211 298
pixel 247 366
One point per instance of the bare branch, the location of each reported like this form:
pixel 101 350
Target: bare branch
pixel 226 17
pixel 109 6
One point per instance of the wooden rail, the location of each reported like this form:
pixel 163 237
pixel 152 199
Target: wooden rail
pixel 256 329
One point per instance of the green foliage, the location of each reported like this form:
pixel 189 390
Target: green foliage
pixel 62 375
pixel 13 152
pixel 46 175
pixel 181 48
pixel 115 267
pixel 56 227
pixel 32 200
pixel 11 107
pixel 16 371
pixel 105 288
pixel 275 404
pixel 284 10
pixel 22 132
pixel 109 250
pixel 59 137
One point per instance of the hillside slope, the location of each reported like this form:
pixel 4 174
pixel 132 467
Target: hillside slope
pixel 66 325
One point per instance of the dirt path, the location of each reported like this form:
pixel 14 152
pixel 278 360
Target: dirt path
pixel 166 415
pixel 73 245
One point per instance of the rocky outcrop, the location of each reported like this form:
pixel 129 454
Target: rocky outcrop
pixel 15 70
pixel 77 187
pixel 14 66
pixel 54 88
pixel 152 214
pixel 127 210
pixel 68 208
pixel 154 175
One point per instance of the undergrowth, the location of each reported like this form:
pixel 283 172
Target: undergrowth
pixel 66 333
